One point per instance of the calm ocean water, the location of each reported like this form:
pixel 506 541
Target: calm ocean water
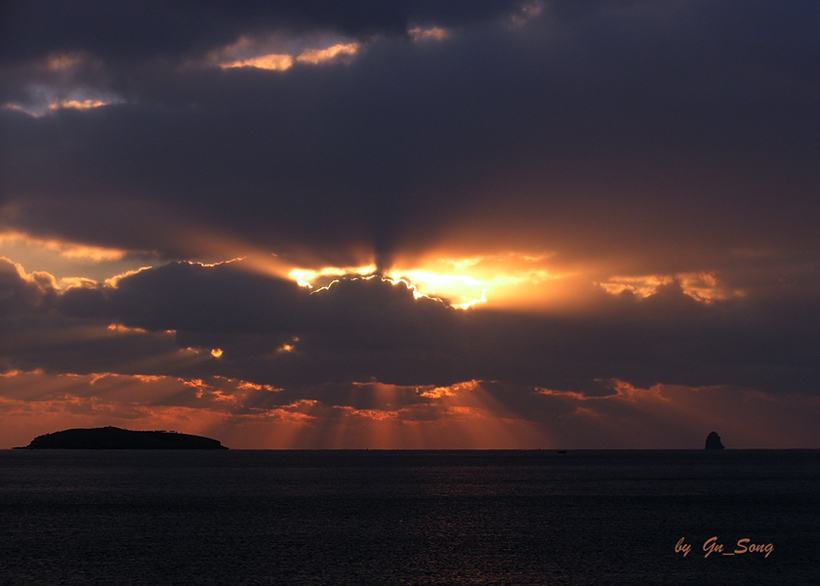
pixel 374 517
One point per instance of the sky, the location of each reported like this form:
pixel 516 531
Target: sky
pixel 412 224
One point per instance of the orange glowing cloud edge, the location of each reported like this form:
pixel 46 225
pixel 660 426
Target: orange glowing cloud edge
pixel 64 248
pixel 263 54
pixel 63 104
pixel 276 53
pixel 701 286
pixel 434 33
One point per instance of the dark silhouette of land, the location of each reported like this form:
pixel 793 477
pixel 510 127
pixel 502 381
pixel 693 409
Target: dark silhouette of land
pixel 114 438
pixel 713 441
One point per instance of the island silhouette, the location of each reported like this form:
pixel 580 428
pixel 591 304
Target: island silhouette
pixel 114 438
pixel 713 441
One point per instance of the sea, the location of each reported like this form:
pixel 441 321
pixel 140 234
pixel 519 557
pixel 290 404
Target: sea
pixel 507 518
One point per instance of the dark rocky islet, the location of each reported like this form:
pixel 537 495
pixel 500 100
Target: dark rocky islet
pixel 713 442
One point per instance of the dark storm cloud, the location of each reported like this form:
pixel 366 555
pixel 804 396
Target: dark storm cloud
pixel 22 294
pixel 57 345
pixel 373 330
pixel 676 131
pixel 192 298
pixel 244 313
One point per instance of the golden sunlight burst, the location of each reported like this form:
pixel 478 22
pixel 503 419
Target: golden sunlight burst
pixel 464 283
pixel 508 279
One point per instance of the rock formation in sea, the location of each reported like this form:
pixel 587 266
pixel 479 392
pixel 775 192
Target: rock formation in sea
pixel 713 441
pixel 114 438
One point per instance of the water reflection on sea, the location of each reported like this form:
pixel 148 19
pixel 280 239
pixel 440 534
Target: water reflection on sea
pixel 374 517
